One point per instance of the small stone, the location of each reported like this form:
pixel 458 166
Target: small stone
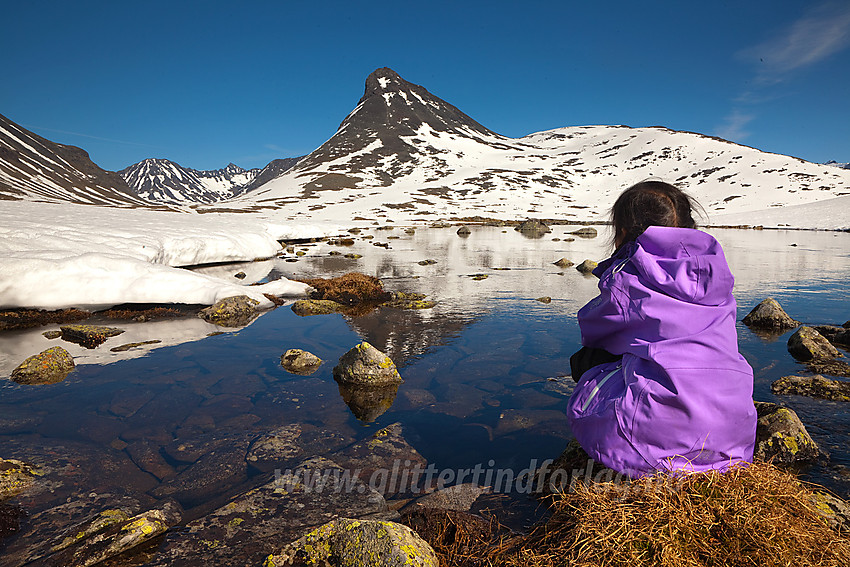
pixel 807 344
pixel 48 367
pixel 89 336
pixel 366 365
pixel 428 262
pixel 544 299
pixel 586 232
pixel 464 231
pixel 353 256
pixel 564 263
pixel 240 275
pixel 231 311
pixel 299 361
pixel 533 228
pixel 52 334
pixel 813 386
pixel 769 315
pixel 306 307
pixel 587 267
pixel 129 346
pixel 478 277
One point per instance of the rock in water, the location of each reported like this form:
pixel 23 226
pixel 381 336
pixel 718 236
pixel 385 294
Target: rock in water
pixel 587 267
pixel 367 403
pixel 89 336
pixel 544 299
pixel 231 311
pixel 769 315
pixel 813 386
pixel 586 232
pixel 807 344
pixel 356 543
pixel 564 263
pixel 464 231
pixel 367 366
pixel 299 361
pixel 15 476
pixel 533 228
pixel 782 437
pixel 48 367
pixel 306 307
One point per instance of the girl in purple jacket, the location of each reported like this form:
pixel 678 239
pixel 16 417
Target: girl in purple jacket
pixel 681 396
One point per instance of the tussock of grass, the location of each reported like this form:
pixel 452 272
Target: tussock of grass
pixel 750 516
pixel 349 289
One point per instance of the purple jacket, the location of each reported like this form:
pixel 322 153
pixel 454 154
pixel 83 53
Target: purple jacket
pixel 681 398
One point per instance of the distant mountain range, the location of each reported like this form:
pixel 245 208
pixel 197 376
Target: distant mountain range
pixel 405 154
pixel 161 180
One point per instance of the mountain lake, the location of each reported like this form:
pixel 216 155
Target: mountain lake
pixel 485 369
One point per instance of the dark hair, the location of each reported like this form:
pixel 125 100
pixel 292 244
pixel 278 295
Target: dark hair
pixel 650 203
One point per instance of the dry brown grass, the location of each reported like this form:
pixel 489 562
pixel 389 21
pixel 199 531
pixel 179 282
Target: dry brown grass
pixel 750 516
pixel 349 289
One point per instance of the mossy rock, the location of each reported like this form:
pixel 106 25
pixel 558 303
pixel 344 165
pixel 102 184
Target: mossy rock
pixel 587 267
pixel 367 366
pixel 402 300
pixel 781 437
pixel 814 387
pixel 769 315
pixel 233 311
pixel 15 477
pixel 299 361
pixel 358 543
pixel 307 307
pixel 807 344
pixel 89 336
pixel 47 367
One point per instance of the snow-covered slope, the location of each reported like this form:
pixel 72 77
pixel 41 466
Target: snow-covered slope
pixel 405 155
pixel 164 181
pixel 35 169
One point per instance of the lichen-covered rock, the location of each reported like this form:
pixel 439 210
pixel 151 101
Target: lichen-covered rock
pixel 358 543
pixel 89 336
pixel 835 335
pixel 807 344
pixel 829 367
pixel 306 307
pixel 233 311
pixel 835 510
pixel 769 315
pixel 112 533
pixel 533 227
pixel 367 403
pixel 564 263
pixel 367 366
pixel 813 386
pixel 47 367
pixel 586 267
pixel 299 361
pixel 586 232
pixel 282 446
pixel 15 476
pixel 403 300
pixel 54 334
pixel 781 437
pixel 464 231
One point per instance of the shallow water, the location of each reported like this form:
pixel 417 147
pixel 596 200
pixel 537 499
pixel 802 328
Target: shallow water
pixel 481 368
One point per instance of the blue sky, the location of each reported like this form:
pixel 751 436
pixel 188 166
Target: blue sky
pixel 208 83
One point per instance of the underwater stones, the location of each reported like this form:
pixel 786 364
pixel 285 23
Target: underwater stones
pixel 587 267
pixel 15 476
pixel 533 228
pixel 233 311
pixel 563 263
pixel 147 457
pixel 769 315
pixel 88 336
pixel 358 543
pixel 275 448
pixel 781 437
pixel 807 344
pixel 459 497
pixel 366 366
pixel 814 387
pixel 586 232
pixel 297 361
pixel 830 367
pixel 464 231
pixel 307 307
pixel 47 367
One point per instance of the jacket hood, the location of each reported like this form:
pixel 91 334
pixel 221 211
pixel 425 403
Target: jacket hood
pixel 683 263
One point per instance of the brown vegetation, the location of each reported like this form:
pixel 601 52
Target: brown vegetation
pixel 27 318
pixel 349 289
pixel 755 515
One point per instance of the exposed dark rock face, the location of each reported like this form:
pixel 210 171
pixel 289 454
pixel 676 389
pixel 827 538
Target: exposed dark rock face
pixel 48 367
pixel 769 315
pixel 32 167
pixel 814 387
pixel 781 437
pixel 807 344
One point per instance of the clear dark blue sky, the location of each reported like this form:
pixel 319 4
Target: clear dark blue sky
pixel 207 83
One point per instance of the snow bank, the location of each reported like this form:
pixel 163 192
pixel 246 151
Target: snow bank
pixel 62 255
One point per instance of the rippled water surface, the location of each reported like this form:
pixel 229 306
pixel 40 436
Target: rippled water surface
pixel 483 370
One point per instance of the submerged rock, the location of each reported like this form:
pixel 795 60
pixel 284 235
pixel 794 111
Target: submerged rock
pixel 367 366
pixel 587 267
pixel 533 228
pixel 284 445
pixel 299 361
pixel 813 386
pixel 586 232
pixel 47 367
pixel 89 336
pixel 807 344
pixel 830 367
pixel 15 476
pixel 233 311
pixel 358 543
pixel 781 437
pixel 459 497
pixel 307 307
pixel 769 315
pixel 403 300
pixel 564 263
